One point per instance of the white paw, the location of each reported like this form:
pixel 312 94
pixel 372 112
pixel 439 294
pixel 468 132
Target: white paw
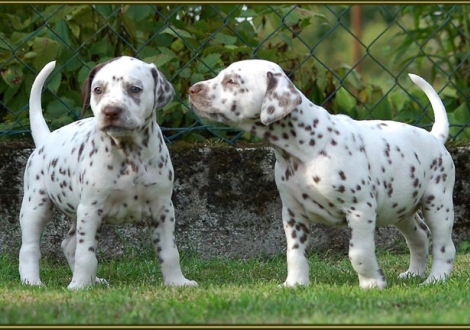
pixel 36 281
pixel 293 283
pixel 182 282
pixel 410 274
pixel 101 281
pixel 435 280
pixel 372 283
pixel 74 285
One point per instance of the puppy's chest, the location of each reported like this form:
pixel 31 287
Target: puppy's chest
pixel 135 172
pixel 134 184
pixel 127 205
pixel 122 185
pixel 132 190
pixel 315 194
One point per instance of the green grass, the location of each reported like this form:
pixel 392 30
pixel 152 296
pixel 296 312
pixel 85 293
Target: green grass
pixel 234 292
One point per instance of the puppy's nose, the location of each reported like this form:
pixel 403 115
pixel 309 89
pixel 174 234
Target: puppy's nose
pixel 111 112
pixel 195 89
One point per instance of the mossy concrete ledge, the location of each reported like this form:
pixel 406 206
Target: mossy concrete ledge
pixel 226 203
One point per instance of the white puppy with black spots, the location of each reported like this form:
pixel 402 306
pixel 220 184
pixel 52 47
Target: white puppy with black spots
pixel 334 170
pixel 110 168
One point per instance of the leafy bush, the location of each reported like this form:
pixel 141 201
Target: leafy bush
pixel 442 35
pixel 190 43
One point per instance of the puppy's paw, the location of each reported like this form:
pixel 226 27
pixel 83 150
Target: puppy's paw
pixel 75 285
pixel 411 274
pixel 372 283
pixel 181 282
pixel 101 281
pixel 435 280
pixel 295 282
pixel 31 281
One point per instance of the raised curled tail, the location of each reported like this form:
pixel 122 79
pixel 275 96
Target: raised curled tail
pixel 440 128
pixel 39 128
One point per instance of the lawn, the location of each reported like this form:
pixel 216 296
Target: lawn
pixel 234 292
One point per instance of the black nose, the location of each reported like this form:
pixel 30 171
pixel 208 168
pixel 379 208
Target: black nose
pixel 112 112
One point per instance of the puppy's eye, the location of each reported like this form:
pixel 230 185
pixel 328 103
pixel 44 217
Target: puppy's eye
pixel 135 89
pixel 230 81
pixel 97 90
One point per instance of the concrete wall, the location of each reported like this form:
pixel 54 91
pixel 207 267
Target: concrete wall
pixel 226 205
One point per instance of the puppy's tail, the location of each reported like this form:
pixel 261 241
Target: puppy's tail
pixel 39 128
pixel 440 129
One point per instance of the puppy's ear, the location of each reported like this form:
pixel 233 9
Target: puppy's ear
pixel 163 92
pixel 281 98
pixel 86 88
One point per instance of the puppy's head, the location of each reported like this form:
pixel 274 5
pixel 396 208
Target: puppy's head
pixel 246 91
pixel 123 94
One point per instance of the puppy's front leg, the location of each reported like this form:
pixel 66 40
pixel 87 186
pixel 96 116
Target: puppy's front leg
pixel 162 231
pixel 297 232
pixel 35 213
pixel 89 220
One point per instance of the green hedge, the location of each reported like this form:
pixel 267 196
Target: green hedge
pixel 189 43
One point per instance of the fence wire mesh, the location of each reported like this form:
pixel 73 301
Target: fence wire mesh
pixel 351 59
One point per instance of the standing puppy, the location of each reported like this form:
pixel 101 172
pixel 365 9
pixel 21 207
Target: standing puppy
pixel 110 168
pixel 332 169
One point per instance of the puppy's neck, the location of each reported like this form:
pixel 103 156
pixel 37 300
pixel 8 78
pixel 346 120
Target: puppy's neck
pixel 302 133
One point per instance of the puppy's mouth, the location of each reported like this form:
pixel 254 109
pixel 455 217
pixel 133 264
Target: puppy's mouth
pixel 119 127
pixel 203 108
pixel 116 131
pixel 213 116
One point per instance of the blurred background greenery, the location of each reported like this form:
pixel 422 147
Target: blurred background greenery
pixel 351 59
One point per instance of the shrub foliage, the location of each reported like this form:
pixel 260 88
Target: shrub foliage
pixel 190 43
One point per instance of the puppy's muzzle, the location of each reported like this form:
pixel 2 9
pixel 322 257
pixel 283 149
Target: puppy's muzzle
pixel 195 89
pixel 112 117
pixel 112 114
pixel 198 98
pixel 113 122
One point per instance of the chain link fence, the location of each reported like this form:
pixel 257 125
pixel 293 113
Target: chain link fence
pixel 351 59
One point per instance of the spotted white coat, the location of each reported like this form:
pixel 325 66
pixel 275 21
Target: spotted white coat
pixel 334 170
pixel 112 168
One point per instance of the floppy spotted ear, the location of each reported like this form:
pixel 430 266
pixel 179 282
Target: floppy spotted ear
pixel 164 91
pixel 281 98
pixel 86 88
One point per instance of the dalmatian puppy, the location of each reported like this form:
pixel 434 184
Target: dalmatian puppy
pixel 334 170
pixel 110 168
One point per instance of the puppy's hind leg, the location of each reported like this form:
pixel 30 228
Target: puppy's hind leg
pixel 440 220
pixel 416 234
pixel 438 210
pixel 69 245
